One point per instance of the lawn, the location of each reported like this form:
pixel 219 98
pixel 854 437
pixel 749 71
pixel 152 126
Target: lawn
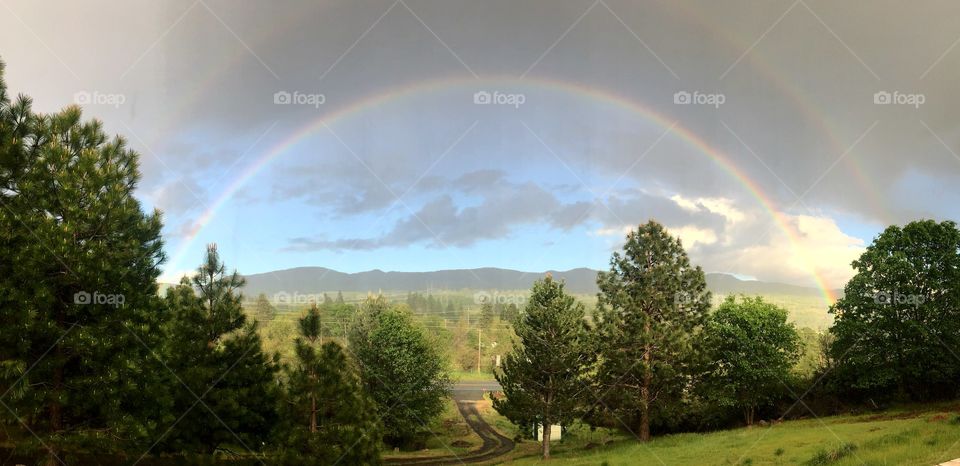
pixel 449 434
pixel 913 435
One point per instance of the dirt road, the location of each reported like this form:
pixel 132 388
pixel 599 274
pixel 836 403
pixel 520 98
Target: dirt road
pixel 494 444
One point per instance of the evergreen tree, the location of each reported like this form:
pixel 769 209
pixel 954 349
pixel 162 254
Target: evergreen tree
pixel 219 358
pixel 401 369
pixel 650 304
pixel 329 416
pixel 486 314
pixel 544 377
pixel 899 316
pixel 340 297
pixel 264 311
pixel 327 300
pixel 78 266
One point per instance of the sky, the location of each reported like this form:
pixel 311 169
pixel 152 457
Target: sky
pixel 775 138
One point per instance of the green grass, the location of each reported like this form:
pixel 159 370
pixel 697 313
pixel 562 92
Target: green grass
pixel 917 435
pixel 449 434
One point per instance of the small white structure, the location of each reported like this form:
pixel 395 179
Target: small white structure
pixel 555 431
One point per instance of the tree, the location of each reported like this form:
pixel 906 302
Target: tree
pixel 229 383
pixel 544 377
pixel 79 260
pixel 401 369
pixel 898 322
pixel 329 417
pixel 650 304
pixel 264 311
pixel 486 314
pixel 340 297
pixel 750 349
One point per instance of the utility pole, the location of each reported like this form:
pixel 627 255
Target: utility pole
pixel 479 332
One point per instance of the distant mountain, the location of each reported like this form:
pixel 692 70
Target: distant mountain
pixel 580 280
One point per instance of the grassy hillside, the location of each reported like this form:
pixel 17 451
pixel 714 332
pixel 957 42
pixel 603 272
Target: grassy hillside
pixel 914 435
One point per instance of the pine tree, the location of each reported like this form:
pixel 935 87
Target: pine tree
pixel 486 314
pixel 78 266
pixel 264 311
pixel 544 377
pixel 329 417
pixel 219 358
pixel 340 297
pixel 650 304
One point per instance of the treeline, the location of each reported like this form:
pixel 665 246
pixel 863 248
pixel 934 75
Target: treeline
pixel 94 362
pixel 657 358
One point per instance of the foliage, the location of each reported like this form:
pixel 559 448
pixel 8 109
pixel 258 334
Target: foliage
pixel 899 320
pixel 226 386
pixel 401 369
pixel 544 378
pixel 650 305
pixel 328 416
pixel 78 266
pixel 264 311
pixel 750 349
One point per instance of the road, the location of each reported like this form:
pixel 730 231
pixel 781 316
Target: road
pixel 466 394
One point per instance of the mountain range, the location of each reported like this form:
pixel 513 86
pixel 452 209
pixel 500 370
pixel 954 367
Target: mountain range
pixel 579 280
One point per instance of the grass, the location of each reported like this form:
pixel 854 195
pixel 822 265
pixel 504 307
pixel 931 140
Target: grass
pixel 449 434
pixel 913 435
pixel 471 376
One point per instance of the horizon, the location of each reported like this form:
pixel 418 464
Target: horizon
pixel 390 136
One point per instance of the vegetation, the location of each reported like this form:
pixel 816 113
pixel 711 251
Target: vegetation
pixel 650 304
pixel 898 324
pixel 544 379
pixel 329 416
pixel 78 297
pixel 227 390
pixel 750 350
pixel 401 369
pixel 93 360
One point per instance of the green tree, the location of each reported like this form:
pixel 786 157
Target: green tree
pixel 650 304
pixel 401 368
pixel 229 387
pixel 79 260
pixel 750 350
pixel 340 297
pixel 898 322
pixel 544 377
pixel 329 416
pixel 264 311
pixel 486 314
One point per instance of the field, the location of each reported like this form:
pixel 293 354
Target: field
pixel 910 435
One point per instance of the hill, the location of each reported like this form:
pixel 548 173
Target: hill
pixel 580 280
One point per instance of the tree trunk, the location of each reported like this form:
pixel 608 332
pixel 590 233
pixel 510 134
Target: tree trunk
pixel 313 414
pixel 645 387
pixel 546 440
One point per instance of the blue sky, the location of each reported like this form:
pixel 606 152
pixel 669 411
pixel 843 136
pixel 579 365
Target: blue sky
pixel 553 182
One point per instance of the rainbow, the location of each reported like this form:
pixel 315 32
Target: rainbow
pixel 469 85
